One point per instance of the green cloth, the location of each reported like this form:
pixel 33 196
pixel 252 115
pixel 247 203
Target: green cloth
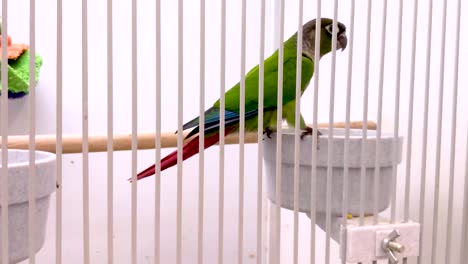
pixel 18 73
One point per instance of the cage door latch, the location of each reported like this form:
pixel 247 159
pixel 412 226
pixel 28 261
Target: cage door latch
pixel 384 241
pixel 389 246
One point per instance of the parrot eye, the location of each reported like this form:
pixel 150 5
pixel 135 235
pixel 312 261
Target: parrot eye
pixel 329 28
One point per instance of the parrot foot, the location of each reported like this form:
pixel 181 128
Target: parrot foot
pixel 308 131
pixel 268 132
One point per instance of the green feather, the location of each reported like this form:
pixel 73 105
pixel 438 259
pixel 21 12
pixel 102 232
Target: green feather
pixel 271 85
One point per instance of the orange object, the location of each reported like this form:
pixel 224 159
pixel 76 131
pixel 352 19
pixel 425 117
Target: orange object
pixel 9 41
pixel 14 50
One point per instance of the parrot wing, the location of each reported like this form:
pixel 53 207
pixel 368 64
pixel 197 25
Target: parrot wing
pixel 270 83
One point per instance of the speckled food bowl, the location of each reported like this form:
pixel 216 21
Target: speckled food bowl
pixel 287 195
pixel 18 207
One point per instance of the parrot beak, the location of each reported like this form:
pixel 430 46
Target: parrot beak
pixel 342 41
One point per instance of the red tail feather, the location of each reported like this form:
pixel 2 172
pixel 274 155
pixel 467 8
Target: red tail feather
pixel 189 149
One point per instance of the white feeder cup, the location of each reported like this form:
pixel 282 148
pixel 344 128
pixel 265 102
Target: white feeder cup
pixel 385 161
pixel 18 200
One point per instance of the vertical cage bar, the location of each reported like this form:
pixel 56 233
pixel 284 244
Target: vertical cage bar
pixel 157 182
pixel 261 86
pixel 242 136
pixel 297 124
pixel 379 115
pixel 363 180
pixel 134 132
pixel 201 179
pixel 364 120
pixel 410 122
pixel 464 229
pixel 279 121
pixel 59 131
pixel 110 136
pixel 4 132
pixel 313 180
pixel 85 123
pixel 439 138
pixel 422 196
pixel 331 111
pixel 448 246
pixel 396 116
pixel 180 112
pixel 222 88
pixel 347 131
pixel 32 131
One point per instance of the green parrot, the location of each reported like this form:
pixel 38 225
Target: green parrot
pixel 232 96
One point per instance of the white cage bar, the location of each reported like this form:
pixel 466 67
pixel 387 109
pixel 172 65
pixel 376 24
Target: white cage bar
pixel 4 132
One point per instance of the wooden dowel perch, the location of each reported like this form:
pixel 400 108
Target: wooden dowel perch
pixel 73 144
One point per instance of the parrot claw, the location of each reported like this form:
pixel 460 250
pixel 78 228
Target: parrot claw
pixel 268 132
pixel 308 131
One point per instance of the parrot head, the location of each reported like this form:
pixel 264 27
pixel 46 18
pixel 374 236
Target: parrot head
pixel 326 35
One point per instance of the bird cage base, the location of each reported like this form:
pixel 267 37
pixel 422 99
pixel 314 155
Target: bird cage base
pixel 385 163
pixel 18 201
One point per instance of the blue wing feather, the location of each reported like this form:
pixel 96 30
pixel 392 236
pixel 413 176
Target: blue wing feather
pixel 212 120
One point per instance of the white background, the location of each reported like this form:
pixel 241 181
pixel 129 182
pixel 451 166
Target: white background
pixel 72 185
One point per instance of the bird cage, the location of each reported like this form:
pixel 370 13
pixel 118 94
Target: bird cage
pixel 347 165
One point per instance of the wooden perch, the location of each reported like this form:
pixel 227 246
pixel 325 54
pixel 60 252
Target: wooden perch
pixel 73 144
